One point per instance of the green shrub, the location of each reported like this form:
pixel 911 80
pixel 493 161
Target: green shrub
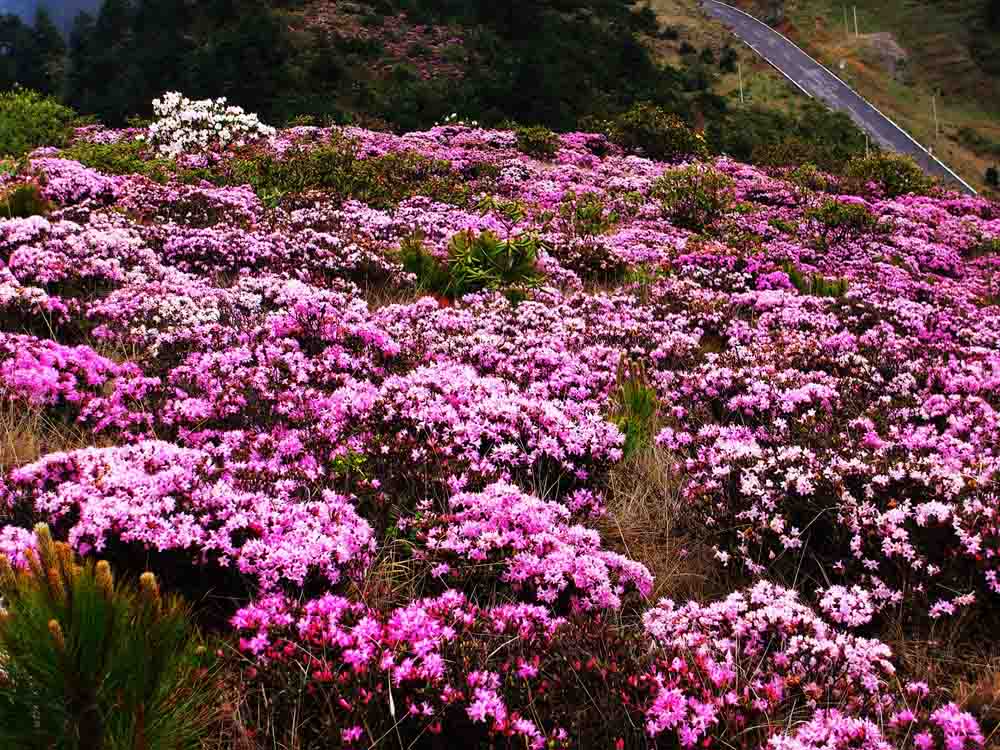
pixel 985 248
pixel 90 664
pixel 10 167
pixel 895 174
pixel 783 225
pixel 636 406
pixel 809 177
pixel 585 215
pixel 981 144
pixel 124 158
pixel 728 60
pixel 432 273
pixel 694 197
pixel 484 261
pixel 582 220
pixel 302 121
pixel 773 138
pixel 475 262
pixel 418 49
pixel 538 142
pixel 789 152
pixel 29 120
pixel 839 222
pixel 335 168
pixel 22 201
pixel 656 133
pixel 816 284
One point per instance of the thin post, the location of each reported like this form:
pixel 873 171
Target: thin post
pixel 866 145
pixel 739 68
pixel 856 32
pixel 937 127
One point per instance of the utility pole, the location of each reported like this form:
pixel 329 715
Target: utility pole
pixel 937 124
pixel 856 33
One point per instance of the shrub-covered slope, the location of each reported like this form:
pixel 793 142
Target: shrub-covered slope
pixel 375 402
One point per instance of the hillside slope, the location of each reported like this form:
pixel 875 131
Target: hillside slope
pixel 428 427
pixel 905 54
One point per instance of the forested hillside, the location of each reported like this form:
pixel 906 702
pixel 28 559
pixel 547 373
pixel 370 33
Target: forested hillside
pixel 408 64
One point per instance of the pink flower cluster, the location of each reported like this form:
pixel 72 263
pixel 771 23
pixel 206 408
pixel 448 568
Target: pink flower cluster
pixel 733 662
pixel 535 546
pixel 100 392
pixel 68 183
pixel 350 647
pixel 163 498
pixel 288 409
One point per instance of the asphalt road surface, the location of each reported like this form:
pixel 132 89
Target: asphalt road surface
pixel 817 81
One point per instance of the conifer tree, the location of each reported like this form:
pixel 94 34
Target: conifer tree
pixel 49 56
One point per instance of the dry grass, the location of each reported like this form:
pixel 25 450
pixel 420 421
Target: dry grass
pixel 959 656
pixel 27 434
pixel 248 716
pixel 385 295
pixel 392 579
pixel 644 522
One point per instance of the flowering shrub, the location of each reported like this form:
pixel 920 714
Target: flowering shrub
pixel 415 504
pixel 67 183
pixel 91 388
pixel 186 126
pixel 167 498
pixel 947 727
pixel 531 541
pixel 752 656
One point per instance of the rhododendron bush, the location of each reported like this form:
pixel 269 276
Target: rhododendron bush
pixel 185 126
pixel 402 499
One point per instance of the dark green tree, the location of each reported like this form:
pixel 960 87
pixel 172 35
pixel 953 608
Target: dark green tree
pixel 48 66
pixel 246 60
pixel 78 76
pixel 15 50
pixel 114 75
pixel 163 45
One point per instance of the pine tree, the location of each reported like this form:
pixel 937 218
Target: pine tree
pixel 49 56
pixel 163 46
pixel 15 50
pixel 113 73
pixel 79 77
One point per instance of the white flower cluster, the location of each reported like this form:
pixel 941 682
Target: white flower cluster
pixel 185 126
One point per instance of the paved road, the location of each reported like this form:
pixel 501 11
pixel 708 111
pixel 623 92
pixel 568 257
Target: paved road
pixel 817 81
